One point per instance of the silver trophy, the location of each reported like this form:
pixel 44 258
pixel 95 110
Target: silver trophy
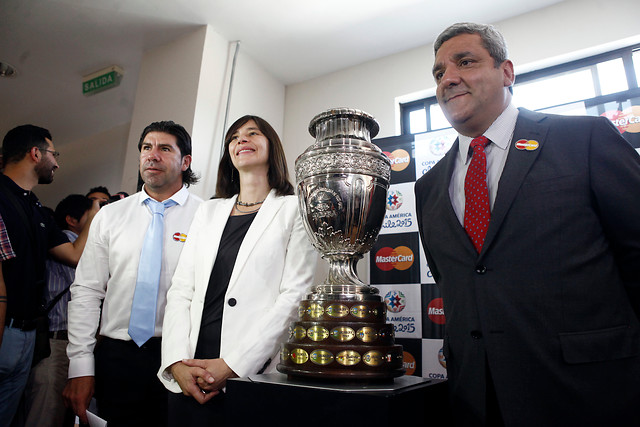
pixel 342 182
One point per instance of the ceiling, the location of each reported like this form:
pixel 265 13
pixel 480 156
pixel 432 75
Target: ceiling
pixel 53 43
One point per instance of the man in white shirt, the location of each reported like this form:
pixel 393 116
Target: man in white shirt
pixel 123 373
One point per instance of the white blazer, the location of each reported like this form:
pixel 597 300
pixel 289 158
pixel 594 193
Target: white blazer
pixel 273 270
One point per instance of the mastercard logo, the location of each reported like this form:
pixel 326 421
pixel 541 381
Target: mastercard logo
pixel 394 200
pixel 435 311
pixel 627 120
pixel 400 159
pixel 179 237
pixel 528 145
pixel 408 363
pixel 400 258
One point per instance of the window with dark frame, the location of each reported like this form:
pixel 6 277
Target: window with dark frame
pixel 604 84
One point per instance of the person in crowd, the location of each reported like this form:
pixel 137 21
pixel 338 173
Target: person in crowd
pixel 99 193
pixel 43 401
pixel 121 284
pixel 243 271
pixel 530 227
pixel 120 195
pixel 29 159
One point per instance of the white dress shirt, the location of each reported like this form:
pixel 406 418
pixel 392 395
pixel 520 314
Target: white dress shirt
pixel 500 133
pixel 107 272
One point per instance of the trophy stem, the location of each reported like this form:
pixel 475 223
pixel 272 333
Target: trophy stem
pixel 343 282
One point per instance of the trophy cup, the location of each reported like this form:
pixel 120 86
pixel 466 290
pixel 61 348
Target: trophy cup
pixel 342 182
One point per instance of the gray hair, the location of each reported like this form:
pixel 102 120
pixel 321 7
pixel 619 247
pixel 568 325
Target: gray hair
pixel 492 40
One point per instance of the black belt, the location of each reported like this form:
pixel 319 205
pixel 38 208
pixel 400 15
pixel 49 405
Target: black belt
pixel 154 343
pixel 58 335
pixel 22 324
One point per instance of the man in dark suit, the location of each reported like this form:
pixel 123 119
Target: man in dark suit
pixel 542 300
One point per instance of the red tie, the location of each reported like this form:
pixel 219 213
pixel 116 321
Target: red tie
pixel 476 194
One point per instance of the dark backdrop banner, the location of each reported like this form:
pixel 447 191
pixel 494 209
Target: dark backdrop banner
pixel 397 265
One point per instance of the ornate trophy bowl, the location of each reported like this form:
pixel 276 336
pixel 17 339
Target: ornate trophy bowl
pixel 342 182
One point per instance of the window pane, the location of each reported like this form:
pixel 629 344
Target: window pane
pixel 636 65
pixel 417 121
pixel 612 77
pixel 575 109
pixel 438 120
pixel 562 89
pixel 571 92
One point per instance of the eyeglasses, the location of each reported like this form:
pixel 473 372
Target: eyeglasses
pixel 55 154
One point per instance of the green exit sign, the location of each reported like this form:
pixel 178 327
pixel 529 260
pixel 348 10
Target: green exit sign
pixel 101 80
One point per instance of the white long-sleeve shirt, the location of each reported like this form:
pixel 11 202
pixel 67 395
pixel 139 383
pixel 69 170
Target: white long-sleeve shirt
pixel 107 272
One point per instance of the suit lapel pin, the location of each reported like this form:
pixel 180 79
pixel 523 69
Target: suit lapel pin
pixel 529 145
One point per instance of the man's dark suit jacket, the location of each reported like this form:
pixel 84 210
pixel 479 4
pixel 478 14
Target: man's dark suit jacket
pixel 548 305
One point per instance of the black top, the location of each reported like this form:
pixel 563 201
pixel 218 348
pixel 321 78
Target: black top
pixel 24 275
pixel 211 326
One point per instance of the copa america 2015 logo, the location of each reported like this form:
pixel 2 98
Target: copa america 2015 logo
pixel 439 146
pixel 441 359
pixel 395 301
pixel 394 200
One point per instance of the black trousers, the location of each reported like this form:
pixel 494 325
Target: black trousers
pixel 128 392
pixel 494 418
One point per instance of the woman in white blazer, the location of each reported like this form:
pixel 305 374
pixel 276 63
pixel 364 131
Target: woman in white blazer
pixel 245 266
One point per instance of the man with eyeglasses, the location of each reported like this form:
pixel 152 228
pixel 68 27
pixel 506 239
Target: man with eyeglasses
pixel 29 159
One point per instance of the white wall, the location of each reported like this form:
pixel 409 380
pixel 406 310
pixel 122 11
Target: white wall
pixel 256 92
pixel 167 90
pixel 209 106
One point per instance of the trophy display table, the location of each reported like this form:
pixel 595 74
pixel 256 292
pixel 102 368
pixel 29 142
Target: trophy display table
pixel 276 399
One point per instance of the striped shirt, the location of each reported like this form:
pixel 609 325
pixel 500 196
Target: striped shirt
pixel 6 251
pixel 59 277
